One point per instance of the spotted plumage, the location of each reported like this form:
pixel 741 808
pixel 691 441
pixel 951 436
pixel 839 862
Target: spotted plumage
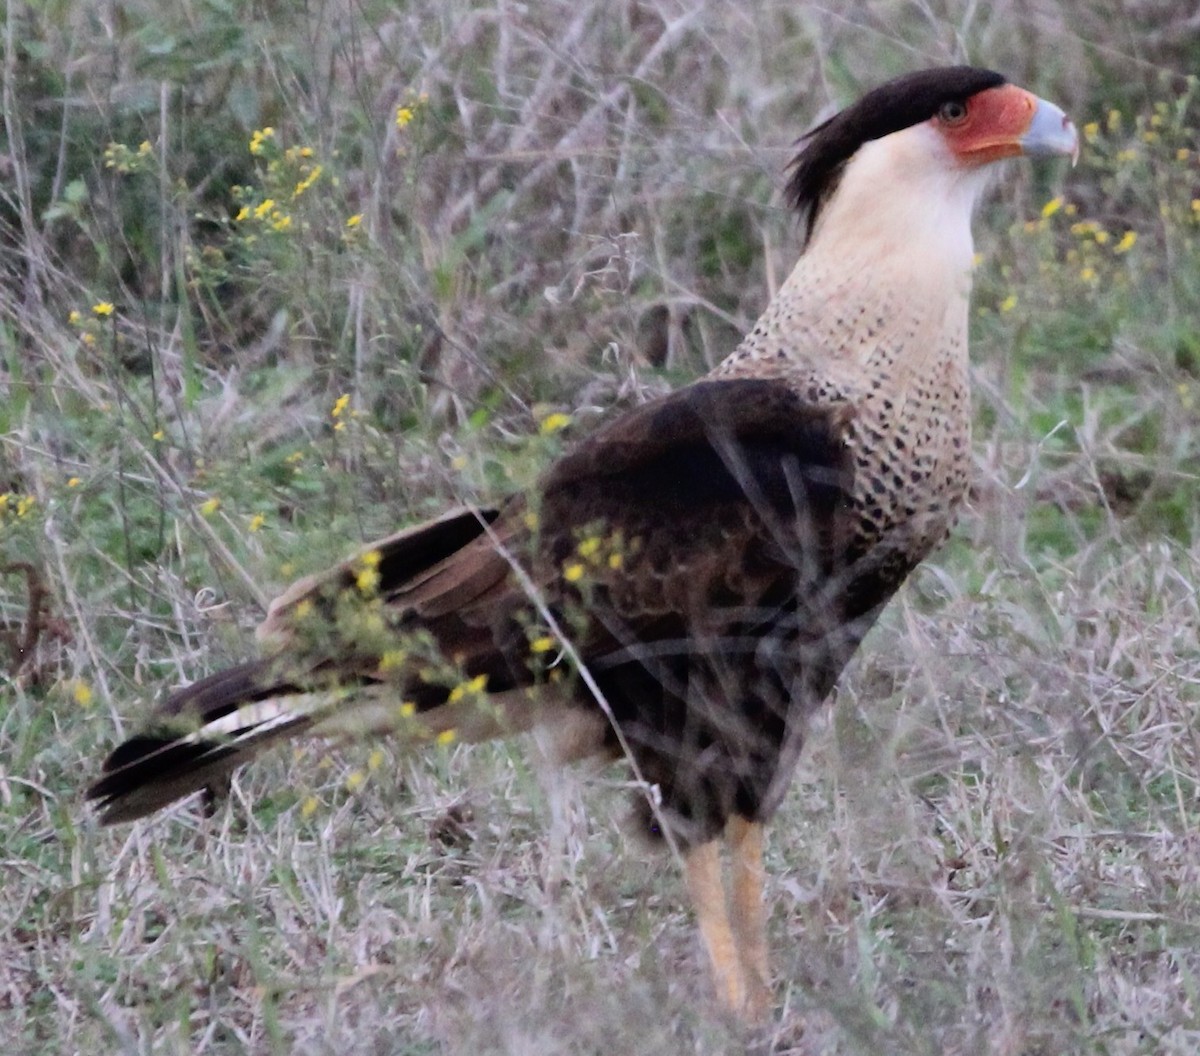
pixel 687 583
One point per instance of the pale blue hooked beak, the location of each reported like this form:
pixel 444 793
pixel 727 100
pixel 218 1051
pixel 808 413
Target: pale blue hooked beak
pixel 1050 133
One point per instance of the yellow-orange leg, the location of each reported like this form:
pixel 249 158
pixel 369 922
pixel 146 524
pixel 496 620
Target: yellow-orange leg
pixel 703 868
pixel 736 942
pixel 749 914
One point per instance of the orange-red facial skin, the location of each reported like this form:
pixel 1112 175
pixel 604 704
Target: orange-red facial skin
pixel 996 120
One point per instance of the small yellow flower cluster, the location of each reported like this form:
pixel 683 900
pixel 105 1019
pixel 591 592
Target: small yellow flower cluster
pixel 338 410
pixel 1085 254
pixel 288 175
pixel 267 211
pixel 14 507
pixel 307 180
pixel 367 577
pixel 209 506
pixel 473 687
pixel 594 550
pixel 89 325
pixel 260 139
pixel 123 159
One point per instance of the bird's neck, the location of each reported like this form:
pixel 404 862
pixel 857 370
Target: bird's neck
pixel 885 279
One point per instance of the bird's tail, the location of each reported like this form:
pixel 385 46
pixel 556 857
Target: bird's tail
pixel 206 731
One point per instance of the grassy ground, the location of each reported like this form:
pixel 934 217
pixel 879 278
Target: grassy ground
pixel 278 278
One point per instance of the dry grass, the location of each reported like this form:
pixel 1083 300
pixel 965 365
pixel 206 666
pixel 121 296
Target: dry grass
pixel 990 846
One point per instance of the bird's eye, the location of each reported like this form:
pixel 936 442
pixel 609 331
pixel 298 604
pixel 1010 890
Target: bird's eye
pixel 953 112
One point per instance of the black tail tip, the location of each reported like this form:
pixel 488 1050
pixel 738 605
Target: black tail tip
pixel 148 772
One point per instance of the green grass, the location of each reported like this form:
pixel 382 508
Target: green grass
pixel 990 843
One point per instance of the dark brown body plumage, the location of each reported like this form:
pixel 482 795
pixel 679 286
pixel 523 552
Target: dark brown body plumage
pixel 699 554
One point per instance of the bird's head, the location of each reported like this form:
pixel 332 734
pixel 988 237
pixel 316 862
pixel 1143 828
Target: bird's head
pixel 925 137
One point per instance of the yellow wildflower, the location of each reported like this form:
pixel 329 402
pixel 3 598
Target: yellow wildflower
pixel 1127 241
pixel 542 645
pixel 281 222
pixel 573 572
pixel 309 807
pixel 74 317
pixel 1009 303
pixel 355 220
pixel 74 482
pixel 102 308
pixel 1091 130
pixel 340 405
pixel 471 686
pixel 446 737
pixel 304 184
pixel 264 208
pixel 404 116
pixel 1088 274
pixel 589 547
pixel 552 423
pixel 355 780
pixel 209 506
pixel 82 694
pixel 1051 207
pixel 256 522
pixel 375 759
pixel 259 138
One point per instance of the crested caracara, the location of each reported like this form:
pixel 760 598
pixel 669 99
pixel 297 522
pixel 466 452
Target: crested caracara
pixel 687 583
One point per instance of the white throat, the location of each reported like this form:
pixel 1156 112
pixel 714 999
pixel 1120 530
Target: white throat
pixel 904 204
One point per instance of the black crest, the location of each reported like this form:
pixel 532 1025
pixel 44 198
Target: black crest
pixel 899 104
